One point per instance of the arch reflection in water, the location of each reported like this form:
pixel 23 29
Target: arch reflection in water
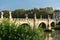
pixel 52 35
pixel 48 36
pixel 56 35
pixel 58 23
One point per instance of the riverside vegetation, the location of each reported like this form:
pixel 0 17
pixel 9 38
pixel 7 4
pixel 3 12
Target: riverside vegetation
pixel 12 31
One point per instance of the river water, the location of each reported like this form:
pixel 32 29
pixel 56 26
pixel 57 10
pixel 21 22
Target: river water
pixel 52 35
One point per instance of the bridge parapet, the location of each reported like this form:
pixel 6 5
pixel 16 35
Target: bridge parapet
pixel 21 19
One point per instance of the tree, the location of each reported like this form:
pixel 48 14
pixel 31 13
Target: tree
pixel 19 13
pixel 0 14
pixel 6 13
pixel 46 11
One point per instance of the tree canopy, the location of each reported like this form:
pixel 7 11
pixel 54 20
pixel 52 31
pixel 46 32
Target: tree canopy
pixel 20 13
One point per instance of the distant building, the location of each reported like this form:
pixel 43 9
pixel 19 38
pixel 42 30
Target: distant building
pixel 56 14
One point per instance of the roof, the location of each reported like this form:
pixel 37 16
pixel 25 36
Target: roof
pixel 56 10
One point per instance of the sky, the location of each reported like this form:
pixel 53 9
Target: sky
pixel 28 4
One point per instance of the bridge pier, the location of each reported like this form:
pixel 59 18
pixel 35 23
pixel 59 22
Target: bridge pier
pixel 34 19
pixel 49 27
pixel 49 24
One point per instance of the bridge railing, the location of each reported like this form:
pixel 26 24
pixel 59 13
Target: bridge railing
pixel 24 19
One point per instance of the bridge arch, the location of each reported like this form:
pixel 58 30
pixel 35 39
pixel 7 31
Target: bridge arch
pixel 58 22
pixel 52 24
pixel 24 27
pixel 42 25
pixel 25 24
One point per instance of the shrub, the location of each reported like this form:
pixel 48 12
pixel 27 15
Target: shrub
pixel 13 31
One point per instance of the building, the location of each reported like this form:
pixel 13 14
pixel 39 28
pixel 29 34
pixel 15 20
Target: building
pixel 56 14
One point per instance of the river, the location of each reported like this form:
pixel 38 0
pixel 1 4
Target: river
pixel 52 35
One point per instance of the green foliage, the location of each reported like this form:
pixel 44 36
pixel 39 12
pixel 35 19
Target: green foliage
pixel 6 13
pixel 10 31
pixel 20 13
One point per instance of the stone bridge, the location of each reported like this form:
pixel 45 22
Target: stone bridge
pixel 57 21
pixel 33 22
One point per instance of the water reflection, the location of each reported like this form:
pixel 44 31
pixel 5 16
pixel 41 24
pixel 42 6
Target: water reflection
pixel 52 35
pixel 48 36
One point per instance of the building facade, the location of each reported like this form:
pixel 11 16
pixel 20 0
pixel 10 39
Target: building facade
pixel 56 14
